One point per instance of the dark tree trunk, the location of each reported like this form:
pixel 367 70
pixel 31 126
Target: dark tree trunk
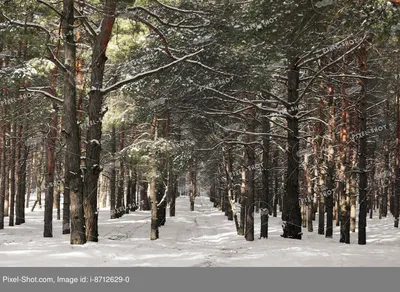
pixel 8 169
pixel 387 167
pixel 144 199
pixel 73 181
pixel 291 210
pixel 50 161
pixel 228 161
pixel 154 233
pixel 133 191
pixel 192 186
pixel 121 177
pixel 250 162
pixel 276 183
pixel 18 161
pixel 12 177
pixel 362 220
pixel 171 189
pixel 265 206
pixel 129 192
pixel 95 111
pixel 242 223
pixel 3 165
pixel 113 209
pixel 330 185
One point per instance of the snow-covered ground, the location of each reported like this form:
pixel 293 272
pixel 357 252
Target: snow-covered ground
pixel 201 238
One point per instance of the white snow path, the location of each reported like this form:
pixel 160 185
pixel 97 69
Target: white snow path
pixel 200 238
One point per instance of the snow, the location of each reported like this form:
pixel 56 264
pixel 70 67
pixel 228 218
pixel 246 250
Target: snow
pixel 200 238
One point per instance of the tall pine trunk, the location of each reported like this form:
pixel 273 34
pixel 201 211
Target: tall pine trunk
pixel 12 176
pixel 250 162
pixel 362 216
pixel 291 209
pixel 73 182
pixel 154 233
pixel 50 161
pixel 96 113
pixel 265 206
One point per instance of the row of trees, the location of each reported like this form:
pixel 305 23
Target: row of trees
pixel 291 112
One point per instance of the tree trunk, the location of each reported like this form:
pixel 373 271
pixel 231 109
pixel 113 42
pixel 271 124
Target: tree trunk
pixel 73 182
pixel 387 166
pixel 3 165
pixel 192 187
pixel 291 210
pixel 12 177
pixel 242 202
pixel 154 234
pixel 18 176
pixel 344 185
pixel 250 162
pixel 96 113
pixel 8 170
pixel 121 177
pixel 363 182
pixel 330 184
pixel 265 206
pixel 113 209
pixel 309 194
pixel 227 156
pixel 50 161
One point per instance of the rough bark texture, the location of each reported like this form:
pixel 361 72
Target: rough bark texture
pixel 291 210
pixel 330 184
pixel 50 161
pixel 73 181
pixel 95 112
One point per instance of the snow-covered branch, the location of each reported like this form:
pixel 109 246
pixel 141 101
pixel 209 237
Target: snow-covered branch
pixel 48 95
pixel 140 76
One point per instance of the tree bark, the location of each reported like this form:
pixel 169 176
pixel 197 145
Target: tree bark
pixel 291 210
pixel 330 184
pixel 265 206
pixel 95 111
pixel 250 162
pixel 73 182
pixel 12 177
pixel 113 209
pixel 3 170
pixel 154 233
pixel 50 161
pixel 363 182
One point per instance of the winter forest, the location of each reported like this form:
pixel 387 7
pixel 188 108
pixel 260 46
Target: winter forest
pixel 199 133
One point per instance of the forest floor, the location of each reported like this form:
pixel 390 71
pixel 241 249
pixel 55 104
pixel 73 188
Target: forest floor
pixel 203 238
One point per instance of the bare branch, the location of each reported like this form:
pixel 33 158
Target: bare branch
pixel 86 24
pixel 45 93
pixel 51 7
pixel 160 20
pixel 27 24
pixel 160 34
pixel 266 92
pixel 326 67
pixel 180 10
